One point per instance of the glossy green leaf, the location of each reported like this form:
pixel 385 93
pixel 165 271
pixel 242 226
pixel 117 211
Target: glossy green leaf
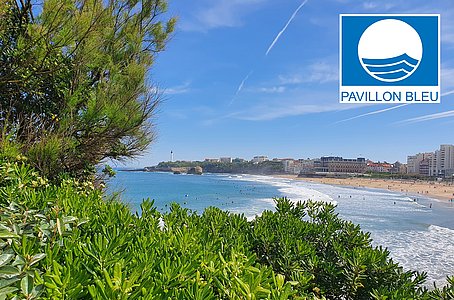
pixel 5 259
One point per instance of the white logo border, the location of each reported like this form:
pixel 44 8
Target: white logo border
pixel 388 15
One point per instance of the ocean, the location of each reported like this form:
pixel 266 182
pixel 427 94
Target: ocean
pixel 419 234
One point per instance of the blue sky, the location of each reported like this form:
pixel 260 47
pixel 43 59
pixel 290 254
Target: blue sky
pixel 288 105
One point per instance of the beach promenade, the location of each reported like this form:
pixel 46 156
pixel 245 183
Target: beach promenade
pixel 436 190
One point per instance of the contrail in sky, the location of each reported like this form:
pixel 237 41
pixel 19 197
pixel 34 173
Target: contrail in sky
pixel 445 114
pixel 447 93
pixel 431 116
pixel 240 87
pixel 386 109
pixel 285 27
pixel 371 113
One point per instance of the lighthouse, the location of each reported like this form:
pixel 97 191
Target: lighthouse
pixel 171 155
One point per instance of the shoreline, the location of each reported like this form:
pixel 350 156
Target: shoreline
pixel 437 190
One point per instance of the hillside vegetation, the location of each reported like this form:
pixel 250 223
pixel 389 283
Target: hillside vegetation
pixel 243 167
pixel 70 241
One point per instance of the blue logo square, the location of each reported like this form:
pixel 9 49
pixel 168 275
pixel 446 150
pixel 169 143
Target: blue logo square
pixel 390 50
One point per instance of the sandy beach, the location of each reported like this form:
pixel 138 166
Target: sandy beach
pixel 436 190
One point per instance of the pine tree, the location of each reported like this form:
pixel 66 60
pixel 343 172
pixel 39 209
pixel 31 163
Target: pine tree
pixel 74 79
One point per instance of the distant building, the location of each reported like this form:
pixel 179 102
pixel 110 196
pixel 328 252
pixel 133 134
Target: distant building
pixel 414 163
pixel 289 165
pixel 293 166
pixel 282 159
pixel 378 167
pixel 212 160
pixel 439 163
pixel 424 166
pixel 259 159
pixel 238 160
pixel 403 169
pixel 442 162
pixel 304 166
pixel 398 168
pixel 340 165
pixel 225 160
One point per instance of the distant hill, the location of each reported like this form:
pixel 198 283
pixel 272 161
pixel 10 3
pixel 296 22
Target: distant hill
pixel 262 168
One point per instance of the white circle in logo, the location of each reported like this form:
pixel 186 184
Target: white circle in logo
pixel 390 50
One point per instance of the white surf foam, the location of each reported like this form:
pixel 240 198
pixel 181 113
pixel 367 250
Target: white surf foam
pixel 290 188
pixel 255 210
pixel 429 250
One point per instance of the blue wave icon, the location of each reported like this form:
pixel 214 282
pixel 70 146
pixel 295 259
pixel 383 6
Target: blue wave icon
pixel 391 69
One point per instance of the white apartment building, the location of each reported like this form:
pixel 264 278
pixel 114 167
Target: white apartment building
pixel 289 165
pixel 293 166
pixel 439 163
pixel 414 162
pixel 442 162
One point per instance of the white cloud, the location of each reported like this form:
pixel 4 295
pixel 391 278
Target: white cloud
pixel 447 27
pixel 295 102
pixel 271 90
pixel 179 89
pixel 320 72
pixel 447 78
pixel 220 13
pixel 279 111
pixel 370 5
pixel 291 79
pixel 374 5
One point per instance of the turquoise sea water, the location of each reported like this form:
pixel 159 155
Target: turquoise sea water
pixel 419 234
pixel 195 192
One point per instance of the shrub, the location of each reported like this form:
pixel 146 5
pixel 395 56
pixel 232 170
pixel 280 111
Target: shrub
pixel 70 241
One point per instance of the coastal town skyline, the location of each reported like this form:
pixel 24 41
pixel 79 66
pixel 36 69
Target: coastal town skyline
pixel 234 81
pixel 437 163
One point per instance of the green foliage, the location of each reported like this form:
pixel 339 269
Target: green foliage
pixel 446 292
pixel 108 171
pixel 9 150
pixel 309 244
pixel 68 241
pixel 73 79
